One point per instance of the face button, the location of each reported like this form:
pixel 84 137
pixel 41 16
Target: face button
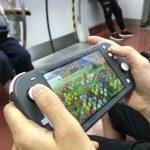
pixel 110 54
pixel 124 67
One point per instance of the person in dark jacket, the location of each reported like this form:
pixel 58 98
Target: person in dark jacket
pixel 111 7
pixel 14 59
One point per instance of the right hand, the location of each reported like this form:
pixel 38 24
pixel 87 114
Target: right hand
pixel 139 99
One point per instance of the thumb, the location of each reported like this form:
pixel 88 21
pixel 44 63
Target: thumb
pixel 96 39
pixel 51 106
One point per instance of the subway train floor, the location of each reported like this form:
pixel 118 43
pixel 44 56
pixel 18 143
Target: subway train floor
pixel 140 41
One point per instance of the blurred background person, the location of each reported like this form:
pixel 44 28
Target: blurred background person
pixel 111 7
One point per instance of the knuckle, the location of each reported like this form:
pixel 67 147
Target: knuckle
pixel 71 129
pixel 129 51
pixel 48 101
pixel 129 48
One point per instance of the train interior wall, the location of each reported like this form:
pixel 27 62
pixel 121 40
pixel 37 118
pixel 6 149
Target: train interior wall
pixel 61 25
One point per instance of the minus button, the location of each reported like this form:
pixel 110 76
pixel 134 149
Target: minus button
pixel 32 78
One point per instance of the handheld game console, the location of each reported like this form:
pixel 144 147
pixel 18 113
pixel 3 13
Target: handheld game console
pixel 88 84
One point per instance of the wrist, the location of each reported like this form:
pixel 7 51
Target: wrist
pixel 146 113
pixel 145 107
pixel 140 103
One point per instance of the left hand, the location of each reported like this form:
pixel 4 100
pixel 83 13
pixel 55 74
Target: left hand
pixel 27 135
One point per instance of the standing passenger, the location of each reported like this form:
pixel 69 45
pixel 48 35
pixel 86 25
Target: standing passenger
pixel 111 7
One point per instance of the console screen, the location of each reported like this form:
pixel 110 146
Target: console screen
pixel 85 85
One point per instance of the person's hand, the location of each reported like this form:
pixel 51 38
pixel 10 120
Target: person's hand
pixel 27 135
pixel 139 99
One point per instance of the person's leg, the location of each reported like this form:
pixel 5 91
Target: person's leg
pixel 118 14
pixel 128 121
pixel 119 18
pixel 19 57
pixel 107 9
pixel 106 5
pixel 6 71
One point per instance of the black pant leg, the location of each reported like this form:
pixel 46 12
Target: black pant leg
pixel 107 9
pixel 128 121
pixel 118 14
pixel 6 70
pixel 19 57
pixel 109 144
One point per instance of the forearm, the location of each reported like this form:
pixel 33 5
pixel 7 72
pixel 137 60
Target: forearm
pixel 140 102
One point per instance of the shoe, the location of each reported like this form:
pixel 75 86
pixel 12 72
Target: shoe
pixel 116 37
pixel 125 34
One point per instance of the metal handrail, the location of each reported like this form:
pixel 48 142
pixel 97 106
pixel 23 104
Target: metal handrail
pixel 19 14
pixel 22 5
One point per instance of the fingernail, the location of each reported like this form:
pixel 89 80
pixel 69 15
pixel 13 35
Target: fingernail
pixel 36 89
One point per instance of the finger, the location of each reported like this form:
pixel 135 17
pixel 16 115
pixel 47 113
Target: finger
pixel 94 39
pixel 97 39
pixel 51 106
pixel 64 124
pixel 16 121
pixel 96 144
pixel 131 56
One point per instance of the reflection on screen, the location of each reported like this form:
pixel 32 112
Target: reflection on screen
pixel 85 85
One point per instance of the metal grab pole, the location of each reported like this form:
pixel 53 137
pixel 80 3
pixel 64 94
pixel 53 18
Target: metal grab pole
pixel 22 5
pixel 81 21
pixel 48 26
